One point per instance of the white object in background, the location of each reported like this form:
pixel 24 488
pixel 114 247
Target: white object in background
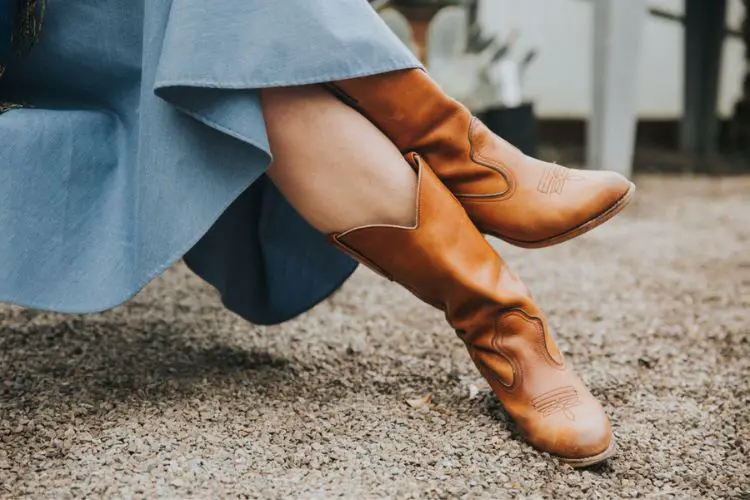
pixel 505 73
pixel 449 64
pixel 447 35
pixel 400 26
pixel 485 96
pixel 458 78
pixel 618 31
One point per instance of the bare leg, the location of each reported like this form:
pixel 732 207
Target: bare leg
pixel 336 168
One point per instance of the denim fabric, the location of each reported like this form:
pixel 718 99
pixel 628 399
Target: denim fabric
pixel 146 141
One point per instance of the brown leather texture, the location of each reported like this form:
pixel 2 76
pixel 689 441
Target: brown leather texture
pixel 445 261
pixel 508 194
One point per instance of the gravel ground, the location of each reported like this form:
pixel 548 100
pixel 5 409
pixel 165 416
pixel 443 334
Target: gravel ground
pixel 171 395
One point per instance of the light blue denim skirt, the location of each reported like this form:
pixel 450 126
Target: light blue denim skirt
pixel 142 141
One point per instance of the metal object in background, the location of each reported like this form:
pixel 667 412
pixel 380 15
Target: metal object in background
pixel 704 38
pixel 739 133
pixel 670 16
pixel 618 32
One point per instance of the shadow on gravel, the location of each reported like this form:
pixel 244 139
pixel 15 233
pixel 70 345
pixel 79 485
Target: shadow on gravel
pixel 90 362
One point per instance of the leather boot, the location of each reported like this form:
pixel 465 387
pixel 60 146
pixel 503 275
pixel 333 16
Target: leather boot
pixel 524 201
pixel 447 263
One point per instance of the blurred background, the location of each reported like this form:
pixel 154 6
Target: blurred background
pixel 637 85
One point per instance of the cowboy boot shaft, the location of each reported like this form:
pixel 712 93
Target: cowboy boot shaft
pixel 446 262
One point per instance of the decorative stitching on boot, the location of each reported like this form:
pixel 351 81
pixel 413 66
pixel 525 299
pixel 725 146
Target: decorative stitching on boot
pixel 541 340
pixel 559 400
pixel 488 373
pixel 554 178
pixel 498 167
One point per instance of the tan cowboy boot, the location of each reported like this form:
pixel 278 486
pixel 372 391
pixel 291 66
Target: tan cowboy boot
pixel 507 194
pixel 447 263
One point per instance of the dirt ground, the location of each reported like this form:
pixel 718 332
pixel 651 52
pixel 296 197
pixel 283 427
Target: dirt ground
pixel 172 396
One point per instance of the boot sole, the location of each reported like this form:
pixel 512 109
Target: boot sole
pixel 578 463
pixel 576 231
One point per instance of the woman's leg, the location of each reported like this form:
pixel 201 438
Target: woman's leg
pixel 332 164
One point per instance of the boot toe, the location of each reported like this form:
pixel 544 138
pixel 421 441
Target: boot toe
pixel 602 196
pixel 553 207
pixel 611 189
pixel 579 443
